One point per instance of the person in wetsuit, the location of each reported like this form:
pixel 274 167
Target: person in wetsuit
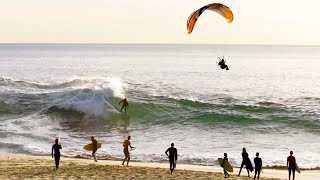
pixel 225 159
pixel 95 148
pixel 222 64
pixel 291 163
pixel 173 156
pixel 56 148
pixel 245 161
pixel 257 165
pixel 125 104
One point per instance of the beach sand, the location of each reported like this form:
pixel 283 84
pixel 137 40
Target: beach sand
pixel 42 167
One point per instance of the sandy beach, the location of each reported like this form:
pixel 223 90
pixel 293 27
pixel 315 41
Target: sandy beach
pixel 42 167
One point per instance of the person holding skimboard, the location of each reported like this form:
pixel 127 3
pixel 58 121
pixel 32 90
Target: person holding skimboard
pixel 291 163
pixel 245 161
pixel 173 156
pixel 95 148
pixel 257 166
pixel 56 148
pixel 125 104
pixel 225 159
pixel 126 145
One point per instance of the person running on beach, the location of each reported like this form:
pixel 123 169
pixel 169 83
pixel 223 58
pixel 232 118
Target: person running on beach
pixel 173 156
pixel 291 163
pixel 56 148
pixel 126 145
pixel 222 64
pixel 257 165
pixel 95 148
pixel 225 159
pixel 245 161
pixel 125 104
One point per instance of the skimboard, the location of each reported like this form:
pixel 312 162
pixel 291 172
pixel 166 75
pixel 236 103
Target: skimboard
pixel 298 169
pixel 249 165
pixel 89 147
pixel 226 165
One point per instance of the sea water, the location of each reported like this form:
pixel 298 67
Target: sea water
pixel 268 102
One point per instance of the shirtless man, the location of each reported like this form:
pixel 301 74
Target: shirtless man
pixel 126 145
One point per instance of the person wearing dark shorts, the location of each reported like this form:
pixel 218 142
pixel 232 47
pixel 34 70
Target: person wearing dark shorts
pixel 95 148
pixel 173 156
pixel 291 163
pixel 257 165
pixel 56 148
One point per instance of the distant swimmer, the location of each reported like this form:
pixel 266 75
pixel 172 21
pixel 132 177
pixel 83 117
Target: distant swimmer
pixel 222 64
pixel 126 145
pixel 95 148
pixel 125 104
pixel 291 163
pixel 56 148
pixel 245 161
pixel 257 165
pixel 173 156
pixel 225 159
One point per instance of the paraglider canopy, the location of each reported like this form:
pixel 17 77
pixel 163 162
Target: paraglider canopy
pixel 221 9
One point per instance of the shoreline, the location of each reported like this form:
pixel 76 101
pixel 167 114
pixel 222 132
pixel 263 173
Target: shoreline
pixel 101 158
pixel 12 164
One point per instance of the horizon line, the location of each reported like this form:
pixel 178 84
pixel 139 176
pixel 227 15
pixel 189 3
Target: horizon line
pixel 189 44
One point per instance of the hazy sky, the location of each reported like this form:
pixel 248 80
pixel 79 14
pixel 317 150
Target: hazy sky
pixel 161 21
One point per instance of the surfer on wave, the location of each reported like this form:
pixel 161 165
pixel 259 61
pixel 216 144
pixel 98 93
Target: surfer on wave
pixel 125 104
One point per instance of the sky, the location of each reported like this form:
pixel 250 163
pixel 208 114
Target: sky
pixel 293 22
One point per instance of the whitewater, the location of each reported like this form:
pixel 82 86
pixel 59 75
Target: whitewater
pixel 268 102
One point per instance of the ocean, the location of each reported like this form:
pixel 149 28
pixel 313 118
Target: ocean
pixel 268 102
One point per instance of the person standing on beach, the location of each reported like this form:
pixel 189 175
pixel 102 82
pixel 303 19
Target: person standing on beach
pixel 257 165
pixel 95 148
pixel 245 161
pixel 173 156
pixel 291 163
pixel 225 159
pixel 125 104
pixel 56 148
pixel 126 145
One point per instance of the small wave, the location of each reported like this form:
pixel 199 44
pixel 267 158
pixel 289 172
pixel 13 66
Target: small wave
pixel 14 148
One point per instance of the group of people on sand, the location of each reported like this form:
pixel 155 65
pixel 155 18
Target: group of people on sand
pixel 291 164
pixel 126 145
pixel 171 152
